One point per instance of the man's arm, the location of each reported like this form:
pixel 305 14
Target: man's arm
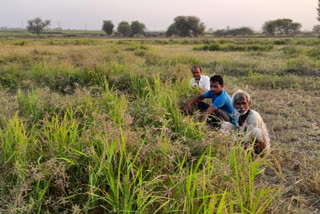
pixel 218 103
pixel 210 110
pixel 194 100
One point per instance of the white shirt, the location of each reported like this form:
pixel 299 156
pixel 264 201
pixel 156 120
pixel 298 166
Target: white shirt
pixel 253 121
pixel 253 124
pixel 204 82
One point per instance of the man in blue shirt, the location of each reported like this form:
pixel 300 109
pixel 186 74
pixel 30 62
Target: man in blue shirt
pixel 221 108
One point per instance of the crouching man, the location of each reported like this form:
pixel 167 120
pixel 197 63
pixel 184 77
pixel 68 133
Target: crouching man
pixel 250 124
pixel 221 108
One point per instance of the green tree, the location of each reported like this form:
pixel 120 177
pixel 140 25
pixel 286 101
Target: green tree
pixel 186 26
pixel 137 28
pixel 124 29
pixel 220 33
pixel 282 26
pixel 36 25
pixel 171 30
pixel 234 32
pixel 294 28
pixel 318 9
pixel 107 27
pixel 269 28
pixel 316 29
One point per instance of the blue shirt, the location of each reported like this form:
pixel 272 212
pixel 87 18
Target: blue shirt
pixel 223 102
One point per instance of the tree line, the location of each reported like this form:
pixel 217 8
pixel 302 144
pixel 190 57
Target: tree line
pixel 125 29
pixel 186 26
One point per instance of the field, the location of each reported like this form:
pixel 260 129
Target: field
pixel 95 125
pixel 19 33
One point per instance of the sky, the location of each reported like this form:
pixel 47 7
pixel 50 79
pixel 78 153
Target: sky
pixel 157 14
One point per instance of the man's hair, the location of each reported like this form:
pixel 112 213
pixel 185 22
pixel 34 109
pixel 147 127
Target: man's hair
pixel 240 95
pixel 217 78
pixel 196 66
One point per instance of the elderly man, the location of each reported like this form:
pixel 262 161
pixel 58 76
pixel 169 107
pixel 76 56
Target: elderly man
pixel 221 108
pixel 250 124
pixel 202 81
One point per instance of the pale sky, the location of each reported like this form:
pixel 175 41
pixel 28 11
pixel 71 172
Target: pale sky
pixel 157 14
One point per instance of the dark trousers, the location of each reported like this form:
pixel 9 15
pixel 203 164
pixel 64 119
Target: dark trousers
pixel 216 117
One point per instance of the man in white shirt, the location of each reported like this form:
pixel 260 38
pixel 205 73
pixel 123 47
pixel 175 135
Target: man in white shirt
pixel 250 124
pixel 198 79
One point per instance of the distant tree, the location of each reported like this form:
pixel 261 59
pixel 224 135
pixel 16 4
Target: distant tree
pixel 220 33
pixel 210 30
pixel 196 28
pixel 137 28
pixel 124 29
pixel 294 28
pixel 316 29
pixel 244 31
pixel 318 9
pixel 172 30
pixel 36 25
pixel 240 31
pixel 269 28
pixel 107 27
pixel 186 26
pixel 282 26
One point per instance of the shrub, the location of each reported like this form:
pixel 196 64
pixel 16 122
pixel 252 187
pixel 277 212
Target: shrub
pixel 281 42
pixel 290 51
pixel 231 47
pixel 314 53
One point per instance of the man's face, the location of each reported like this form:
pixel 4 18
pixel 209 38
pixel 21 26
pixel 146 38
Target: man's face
pixel 216 88
pixel 196 72
pixel 242 105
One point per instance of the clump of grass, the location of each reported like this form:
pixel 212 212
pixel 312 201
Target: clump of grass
pixel 291 51
pixel 188 60
pixel 10 76
pixel 273 81
pixel 135 47
pixel 20 43
pixel 314 53
pixel 29 106
pixel 230 67
pixel 16 142
pixel 18 58
pixel 230 47
pixel 301 63
pixel 73 42
pixel 161 109
pixel 152 59
pixel 61 134
pixel 306 42
pixel 281 42
pixel 213 46
pixel 115 104
pixel 41 52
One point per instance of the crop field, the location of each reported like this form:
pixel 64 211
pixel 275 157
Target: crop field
pixel 96 126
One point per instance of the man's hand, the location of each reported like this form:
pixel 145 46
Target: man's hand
pixel 211 109
pixel 187 108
